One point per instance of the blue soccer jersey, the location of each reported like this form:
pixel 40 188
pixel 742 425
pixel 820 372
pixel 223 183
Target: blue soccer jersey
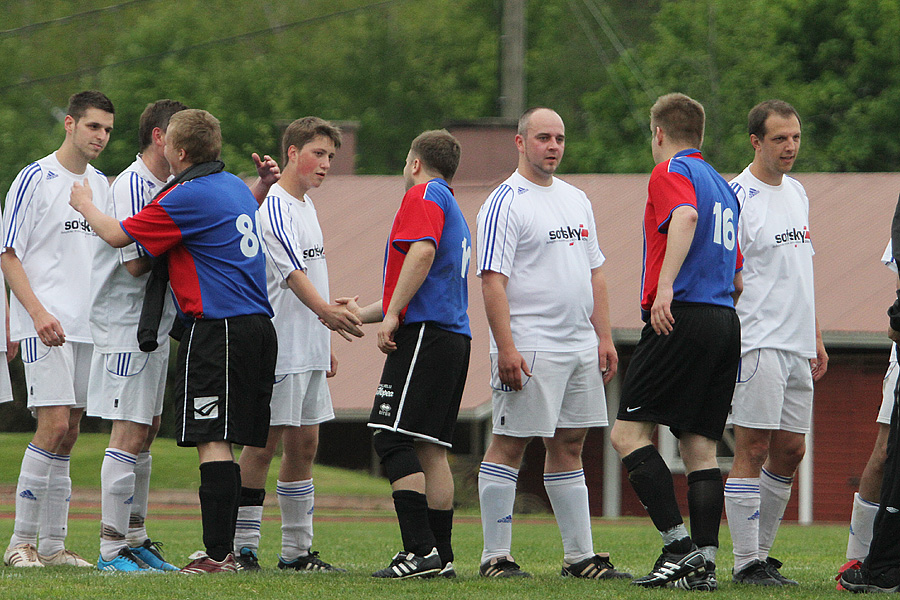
pixel 207 227
pixel 430 212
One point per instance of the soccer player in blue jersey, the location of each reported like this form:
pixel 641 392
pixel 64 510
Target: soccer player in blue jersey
pixel 683 370
pixel 205 225
pixel 426 336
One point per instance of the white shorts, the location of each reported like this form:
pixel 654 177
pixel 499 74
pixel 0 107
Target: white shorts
pixel 774 390
pixel 6 393
pixel 56 375
pixel 301 399
pixel 887 393
pixel 128 386
pixel 565 391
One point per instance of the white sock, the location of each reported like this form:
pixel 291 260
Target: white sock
pixel 246 529
pixel 774 493
pixel 569 498
pixel 55 513
pixel 297 502
pixel 742 509
pixel 862 520
pixel 497 495
pixel 31 492
pixel 137 531
pixel 117 483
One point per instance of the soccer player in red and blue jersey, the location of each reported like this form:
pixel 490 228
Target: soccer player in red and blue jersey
pixel 205 224
pixel 683 370
pixel 425 334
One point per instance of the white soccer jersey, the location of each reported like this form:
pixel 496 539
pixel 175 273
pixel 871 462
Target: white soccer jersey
pixel 54 243
pixel 888 259
pixel 544 239
pixel 293 240
pixel 777 306
pixel 116 295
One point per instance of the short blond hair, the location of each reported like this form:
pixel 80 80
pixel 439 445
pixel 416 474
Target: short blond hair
pixel 196 132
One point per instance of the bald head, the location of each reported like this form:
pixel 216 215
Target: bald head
pixel 541 141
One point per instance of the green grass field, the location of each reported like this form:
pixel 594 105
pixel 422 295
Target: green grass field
pixel 364 542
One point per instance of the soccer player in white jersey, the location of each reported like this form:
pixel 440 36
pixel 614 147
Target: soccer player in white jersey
pixel 866 500
pixel 298 291
pixel 46 259
pixel 126 385
pixel 551 345
pixel 782 353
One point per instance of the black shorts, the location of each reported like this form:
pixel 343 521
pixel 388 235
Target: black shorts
pixel 226 369
pixel 422 383
pixel 685 379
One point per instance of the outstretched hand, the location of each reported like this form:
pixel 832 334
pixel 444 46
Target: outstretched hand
pixel 266 168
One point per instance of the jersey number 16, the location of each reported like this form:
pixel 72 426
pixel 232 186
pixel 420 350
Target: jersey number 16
pixel 723 229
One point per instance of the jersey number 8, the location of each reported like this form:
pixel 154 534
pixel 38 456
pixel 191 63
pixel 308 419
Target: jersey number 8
pixel 249 241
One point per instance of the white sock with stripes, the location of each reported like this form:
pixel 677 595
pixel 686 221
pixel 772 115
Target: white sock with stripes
pixel 774 493
pixel 497 495
pixel 31 492
pixel 117 481
pixel 55 513
pixel 247 528
pixel 569 498
pixel 742 510
pixel 297 502
pixel 137 530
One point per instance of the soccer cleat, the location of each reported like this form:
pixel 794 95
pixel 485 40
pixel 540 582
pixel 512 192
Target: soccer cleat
pixel 247 560
pixel 849 565
pixel 860 580
pixel 406 565
pixel 594 567
pixel 148 555
pixel 448 572
pixel 699 582
pixel 201 563
pixel 670 567
pixel 64 558
pixel 124 562
pixel 772 565
pixel 755 573
pixel 22 555
pixel 310 562
pixel 503 566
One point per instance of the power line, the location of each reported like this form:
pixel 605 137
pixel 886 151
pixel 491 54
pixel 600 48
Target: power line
pixel 208 44
pixel 63 20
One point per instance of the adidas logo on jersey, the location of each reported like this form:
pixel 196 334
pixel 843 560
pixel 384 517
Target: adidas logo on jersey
pixel 753 192
pixel 51 175
pixel 522 190
pixel 27 495
pixel 506 519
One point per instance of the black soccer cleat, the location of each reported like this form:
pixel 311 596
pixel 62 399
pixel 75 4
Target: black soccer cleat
pixel 670 567
pixel 310 562
pixel 594 567
pixel 699 582
pixel 247 560
pixel 755 573
pixel 860 580
pixel 406 565
pixel 772 565
pixel 502 567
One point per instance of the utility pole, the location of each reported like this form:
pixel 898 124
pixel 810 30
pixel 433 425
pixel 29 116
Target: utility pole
pixel 512 59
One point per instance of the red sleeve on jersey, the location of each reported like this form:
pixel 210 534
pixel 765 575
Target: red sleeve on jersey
pixel 153 229
pixel 418 219
pixel 668 191
pixel 739 262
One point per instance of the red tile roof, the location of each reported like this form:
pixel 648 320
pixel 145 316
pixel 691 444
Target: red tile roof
pixel 850 223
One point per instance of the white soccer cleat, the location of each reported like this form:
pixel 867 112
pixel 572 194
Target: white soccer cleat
pixel 64 558
pixel 22 555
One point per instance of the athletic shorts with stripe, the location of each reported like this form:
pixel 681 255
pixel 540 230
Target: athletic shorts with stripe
pixel 685 380
pixel 223 385
pixel 56 375
pixel 128 386
pixel 422 383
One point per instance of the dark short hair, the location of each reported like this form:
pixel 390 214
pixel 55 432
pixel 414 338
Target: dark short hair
pixel 303 131
pixel 197 133
pixel 156 114
pixel 80 102
pixel 756 119
pixel 682 118
pixel 439 151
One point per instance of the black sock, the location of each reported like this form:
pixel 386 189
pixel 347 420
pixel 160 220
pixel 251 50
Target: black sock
pixel 237 500
pixel 252 496
pixel 441 522
pixel 652 482
pixel 218 498
pixel 706 499
pixel 412 514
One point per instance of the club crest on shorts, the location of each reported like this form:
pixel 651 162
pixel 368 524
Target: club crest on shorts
pixel 206 407
pixel 384 409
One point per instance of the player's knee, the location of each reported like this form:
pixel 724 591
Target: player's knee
pixel 397 453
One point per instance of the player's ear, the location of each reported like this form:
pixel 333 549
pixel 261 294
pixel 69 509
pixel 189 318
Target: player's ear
pixel 69 123
pixel 755 141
